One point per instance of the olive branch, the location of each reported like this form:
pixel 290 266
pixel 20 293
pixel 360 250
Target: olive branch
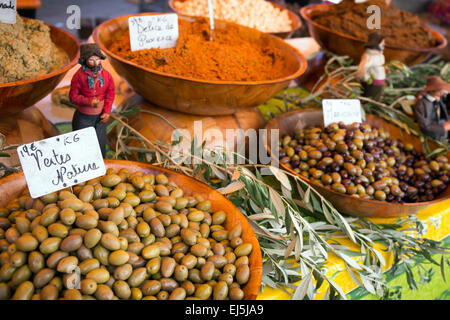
pixel 296 226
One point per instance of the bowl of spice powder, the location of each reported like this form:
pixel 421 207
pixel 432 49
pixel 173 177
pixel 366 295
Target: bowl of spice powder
pixel 34 58
pixel 342 29
pixel 240 68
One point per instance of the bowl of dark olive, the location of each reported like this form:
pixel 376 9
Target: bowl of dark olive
pixel 372 169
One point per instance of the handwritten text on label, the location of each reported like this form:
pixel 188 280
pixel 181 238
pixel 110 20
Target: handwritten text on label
pixel 59 162
pixel 8 11
pixel 153 31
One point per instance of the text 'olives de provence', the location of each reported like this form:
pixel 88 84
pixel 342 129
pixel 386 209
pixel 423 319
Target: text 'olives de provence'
pixel 122 236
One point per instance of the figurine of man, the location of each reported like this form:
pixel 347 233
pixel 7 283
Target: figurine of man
pixel 371 70
pixel 92 90
pixel 432 109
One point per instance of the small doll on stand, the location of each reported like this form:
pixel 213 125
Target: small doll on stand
pixel 371 70
pixel 432 109
pixel 92 90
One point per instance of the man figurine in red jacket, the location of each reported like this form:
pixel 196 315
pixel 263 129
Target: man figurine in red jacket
pixel 92 90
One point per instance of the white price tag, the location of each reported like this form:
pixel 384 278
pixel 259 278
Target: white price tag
pixel 8 11
pixel 346 110
pixel 63 161
pixel 155 31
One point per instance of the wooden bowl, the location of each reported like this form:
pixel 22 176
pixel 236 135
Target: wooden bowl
pixel 12 186
pixel 346 45
pixel 193 96
pixel 19 95
pixel 296 23
pixel 286 124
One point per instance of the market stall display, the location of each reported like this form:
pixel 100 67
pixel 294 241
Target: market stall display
pixel 342 29
pixel 356 181
pixel 133 233
pixel 208 97
pixel 259 14
pixel 311 226
pixel 32 81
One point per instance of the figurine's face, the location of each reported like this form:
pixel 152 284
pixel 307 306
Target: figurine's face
pixel 93 61
pixel 382 43
pixel 438 94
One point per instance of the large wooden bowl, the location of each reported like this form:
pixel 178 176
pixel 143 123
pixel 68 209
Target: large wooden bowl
pixel 193 96
pixel 346 45
pixel 13 185
pixel 296 23
pixel 286 124
pixel 19 95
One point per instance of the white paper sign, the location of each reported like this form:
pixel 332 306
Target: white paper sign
pixel 8 11
pixel 154 31
pixel 346 110
pixel 63 161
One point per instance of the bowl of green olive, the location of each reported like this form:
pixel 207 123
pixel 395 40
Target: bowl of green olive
pixel 372 169
pixel 137 233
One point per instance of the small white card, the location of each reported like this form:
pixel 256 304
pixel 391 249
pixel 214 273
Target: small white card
pixel 346 110
pixel 59 162
pixel 8 9
pixel 153 31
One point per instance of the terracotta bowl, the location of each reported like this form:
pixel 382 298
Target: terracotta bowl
pixel 193 96
pixel 346 45
pixel 13 185
pixel 286 124
pixel 296 23
pixel 19 95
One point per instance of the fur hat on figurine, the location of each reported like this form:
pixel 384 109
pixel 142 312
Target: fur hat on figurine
pixel 374 40
pixel 88 50
pixel 434 83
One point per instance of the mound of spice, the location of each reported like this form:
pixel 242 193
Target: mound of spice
pixel 258 14
pixel 229 57
pixel 405 29
pixel 27 51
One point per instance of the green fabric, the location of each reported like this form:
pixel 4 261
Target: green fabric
pixel 430 287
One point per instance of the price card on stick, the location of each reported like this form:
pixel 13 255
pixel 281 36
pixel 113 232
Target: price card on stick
pixel 153 31
pixel 346 110
pixel 63 161
pixel 8 9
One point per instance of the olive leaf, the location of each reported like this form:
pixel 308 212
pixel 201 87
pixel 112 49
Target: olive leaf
pixel 296 226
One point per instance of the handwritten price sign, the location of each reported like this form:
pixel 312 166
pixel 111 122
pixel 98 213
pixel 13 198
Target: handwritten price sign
pixel 63 161
pixel 155 31
pixel 8 11
pixel 346 110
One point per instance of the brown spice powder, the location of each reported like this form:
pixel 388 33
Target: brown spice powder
pixel 405 29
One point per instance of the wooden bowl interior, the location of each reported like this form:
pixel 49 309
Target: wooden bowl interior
pixel 307 11
pixel 12 186
pixel 296 22
pixel 287 123
pixel 108 32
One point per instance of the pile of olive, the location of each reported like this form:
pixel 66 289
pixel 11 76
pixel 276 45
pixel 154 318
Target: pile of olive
pixel 120 236
pixel 364 162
